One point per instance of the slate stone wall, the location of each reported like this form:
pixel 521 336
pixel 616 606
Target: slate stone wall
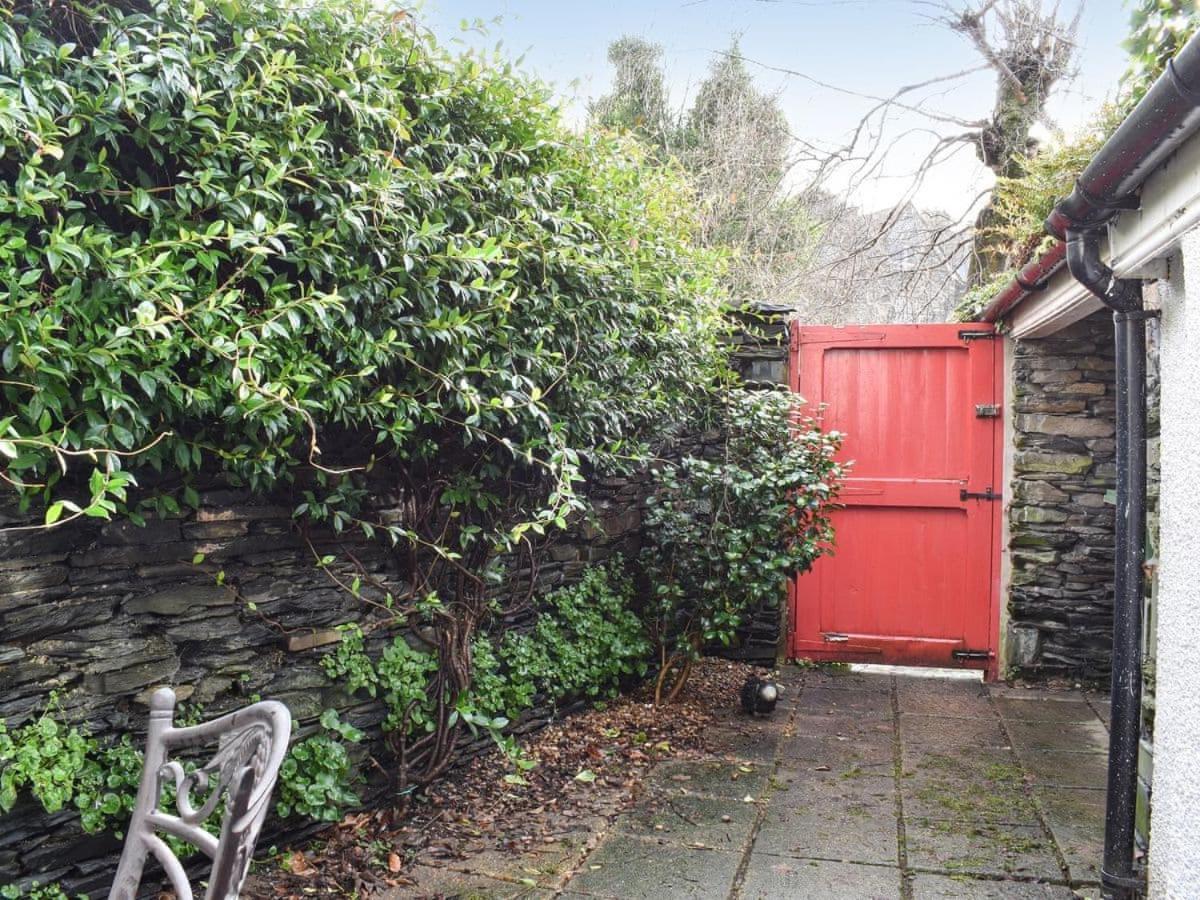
pixel 105 612
pixel 1061 523
pixel 761 358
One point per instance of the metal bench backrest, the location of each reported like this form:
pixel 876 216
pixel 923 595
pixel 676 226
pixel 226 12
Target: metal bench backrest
pixel 241 775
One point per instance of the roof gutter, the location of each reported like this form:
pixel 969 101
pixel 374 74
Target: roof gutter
pixel 1166 117
pixel 1031 279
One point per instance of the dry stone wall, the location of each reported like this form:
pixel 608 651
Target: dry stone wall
pixel 1061 517
pixel 103 614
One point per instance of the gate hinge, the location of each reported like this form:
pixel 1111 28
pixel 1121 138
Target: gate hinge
pixel 987 411
pixel 978 335
pixel 964 494
pixel 834 638
pixel 971 654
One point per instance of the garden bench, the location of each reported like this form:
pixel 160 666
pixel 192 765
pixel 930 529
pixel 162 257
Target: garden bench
pixel 238 778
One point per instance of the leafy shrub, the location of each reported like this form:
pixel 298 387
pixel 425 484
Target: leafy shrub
pixel 316 776
pixel 36 891
pixel 400 677
pixel 1158 29
pixel 44 756
pixel 1021 205
pixel 582 644
pixel 63 765
pixel 107 786
pixel 498 689
pixel 724 535
pixel 586 640
pixel 290 219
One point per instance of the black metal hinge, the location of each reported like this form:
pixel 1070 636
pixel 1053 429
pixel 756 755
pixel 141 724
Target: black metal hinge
pixel 964 494
pixel 978 335
pixel 971 654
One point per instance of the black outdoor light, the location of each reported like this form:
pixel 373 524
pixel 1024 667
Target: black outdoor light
pixel 759 696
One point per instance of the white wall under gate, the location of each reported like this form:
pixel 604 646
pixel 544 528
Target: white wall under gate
pixel 1175 826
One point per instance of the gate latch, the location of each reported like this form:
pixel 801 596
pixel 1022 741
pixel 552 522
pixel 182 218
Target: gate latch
pixel 965 495
pixel 987 411
pixel 971 654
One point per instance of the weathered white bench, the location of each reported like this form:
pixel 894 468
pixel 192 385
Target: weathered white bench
pixel 241 774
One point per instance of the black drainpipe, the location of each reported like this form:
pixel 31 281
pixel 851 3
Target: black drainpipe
pixel 1118 878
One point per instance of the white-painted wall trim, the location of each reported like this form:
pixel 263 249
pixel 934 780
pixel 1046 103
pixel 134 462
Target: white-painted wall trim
pixel 1175 825
pixel 1139 241
pixel 1064 302
pixel 1170 209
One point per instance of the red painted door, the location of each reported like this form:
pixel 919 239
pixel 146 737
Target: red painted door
pixel 914 576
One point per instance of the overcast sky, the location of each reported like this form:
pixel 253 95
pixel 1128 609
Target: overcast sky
pixel 866 46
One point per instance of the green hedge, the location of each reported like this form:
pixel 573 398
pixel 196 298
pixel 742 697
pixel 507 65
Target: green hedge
pixel 280 237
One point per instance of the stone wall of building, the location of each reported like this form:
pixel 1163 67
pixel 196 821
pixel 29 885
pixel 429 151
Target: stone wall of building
pixel 103 613
pixel 1061 516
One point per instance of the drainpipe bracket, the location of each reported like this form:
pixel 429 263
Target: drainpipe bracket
pixel 1103 209
pixel 1031 287
pixel 1185 90
pixel 1131 885
pixel 1135 315
pixel 1128 202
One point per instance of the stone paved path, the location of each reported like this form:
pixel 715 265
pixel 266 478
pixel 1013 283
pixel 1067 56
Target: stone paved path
pixel 861 786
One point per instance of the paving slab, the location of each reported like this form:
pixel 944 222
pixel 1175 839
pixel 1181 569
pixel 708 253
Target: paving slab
pixel 774 877
pixel 820 816
pixel 1022 692
pixel 842 680
pixel 968 764
pixel 1076 819
pixel 981 849
pixel 1042 710
pixel 545 864
pixel 931 797
pixel 916 690
pixel 962 703
pixel 1074 736
pixel 630 868
pixel 826 701
pixel 1056 768
pixel 698 822
pixel 754 740
pixel 874 728
pixel 991 805
pixel 711 778
pixel 959 887
pixel 952 732
pixel 432 881
pixel 814 752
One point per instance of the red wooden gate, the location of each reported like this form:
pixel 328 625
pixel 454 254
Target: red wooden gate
pixel 914 578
